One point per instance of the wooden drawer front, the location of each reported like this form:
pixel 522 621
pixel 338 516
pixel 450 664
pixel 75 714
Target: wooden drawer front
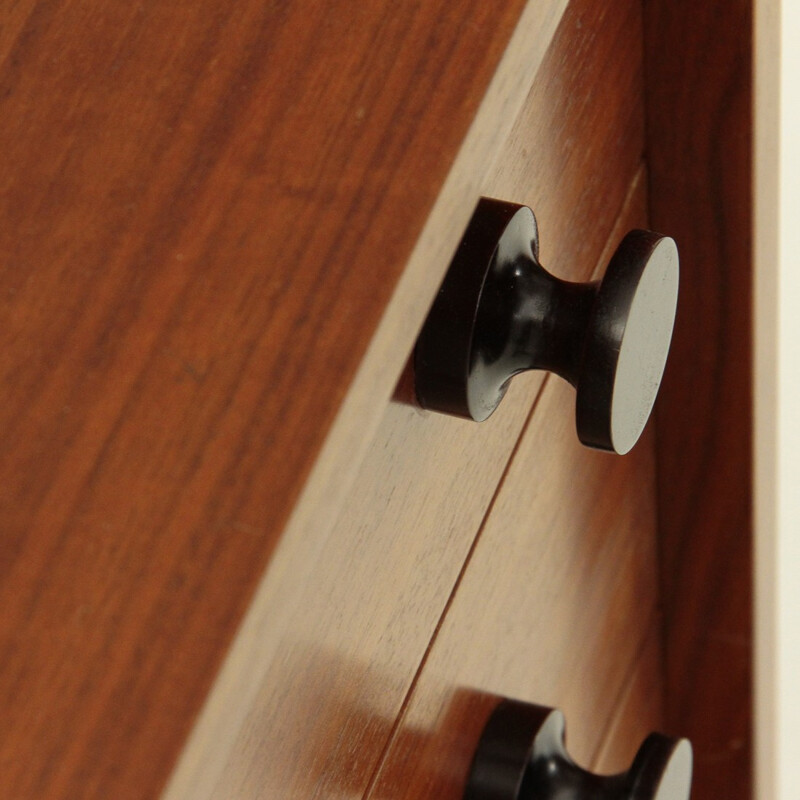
pixel 557 604
pixel 205 208
pixel 373 595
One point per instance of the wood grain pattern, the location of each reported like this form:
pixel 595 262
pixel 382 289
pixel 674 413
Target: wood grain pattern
pixel 554 606
pixel 204 212
pixel 699 151
pixel 328 694
pixel 640 708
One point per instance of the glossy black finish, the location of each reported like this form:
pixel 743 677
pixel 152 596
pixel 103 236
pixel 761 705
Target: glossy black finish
pixel 499 312
pixel 521 756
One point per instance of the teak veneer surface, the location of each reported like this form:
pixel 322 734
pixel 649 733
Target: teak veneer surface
pixel 326 699
pixel 205 209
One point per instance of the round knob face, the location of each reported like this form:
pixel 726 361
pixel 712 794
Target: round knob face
pixel 628 342
pixel 675 782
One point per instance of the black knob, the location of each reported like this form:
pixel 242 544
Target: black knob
pixel 521 756
pixel 499 312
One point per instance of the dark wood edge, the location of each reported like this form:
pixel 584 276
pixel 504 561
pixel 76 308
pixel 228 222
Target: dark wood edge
pixel 699 88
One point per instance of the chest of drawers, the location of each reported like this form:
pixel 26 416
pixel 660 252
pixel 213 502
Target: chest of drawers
pixel 237 560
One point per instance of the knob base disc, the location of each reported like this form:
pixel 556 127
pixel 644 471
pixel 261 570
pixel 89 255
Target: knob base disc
pixel 449 375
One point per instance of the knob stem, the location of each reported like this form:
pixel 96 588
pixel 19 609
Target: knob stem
pixel 529 319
